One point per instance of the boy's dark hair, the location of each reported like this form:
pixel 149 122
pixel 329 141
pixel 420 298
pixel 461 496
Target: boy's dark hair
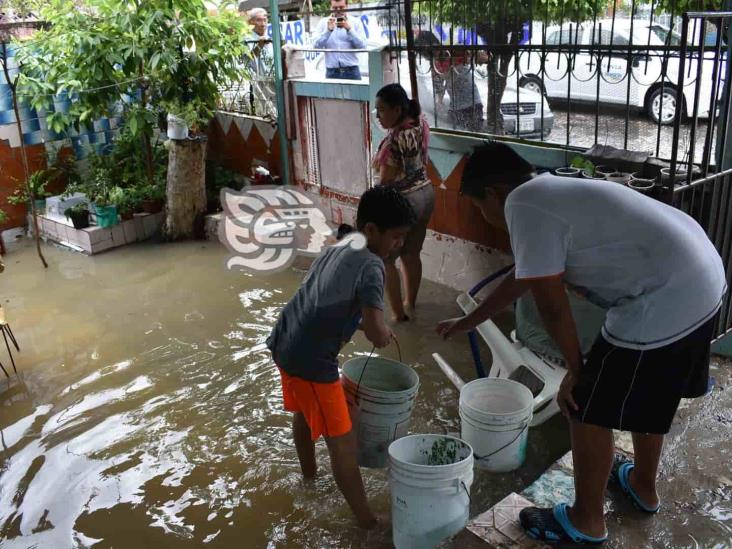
pixel 493 164
pixel 343 230
pixel 385 207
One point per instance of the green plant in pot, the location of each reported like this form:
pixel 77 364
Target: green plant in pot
pixel 99 190
pixel 79 215
pixel 184 118
pixel 126 200
pixel 36 187
pixel 152 197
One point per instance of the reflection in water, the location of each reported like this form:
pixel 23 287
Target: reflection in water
pixel 149 413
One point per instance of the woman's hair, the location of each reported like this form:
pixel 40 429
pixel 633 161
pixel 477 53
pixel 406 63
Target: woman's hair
pixel 395 96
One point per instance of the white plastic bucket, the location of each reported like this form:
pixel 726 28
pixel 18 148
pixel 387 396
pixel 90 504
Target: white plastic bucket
pixel 177 127
pixel 380 405
pixel 430 478
pixel 495 415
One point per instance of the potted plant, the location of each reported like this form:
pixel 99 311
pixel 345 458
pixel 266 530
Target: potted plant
pixel 37 186
pixel 78 214
pixel 185 118
pixel 99 191
pixel 126 200
pixel 152 197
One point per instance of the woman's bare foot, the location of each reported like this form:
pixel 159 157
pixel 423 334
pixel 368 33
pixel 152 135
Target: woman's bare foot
pixel 397 319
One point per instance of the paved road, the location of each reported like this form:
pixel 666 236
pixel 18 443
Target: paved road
pixel 642 132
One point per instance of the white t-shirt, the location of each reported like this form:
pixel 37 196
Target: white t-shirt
pixel 651 265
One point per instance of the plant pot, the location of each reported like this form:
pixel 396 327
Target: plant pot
pixel 643 186
pixel 106 216
pixel 126 215
pixel 79 220
pixel 568 171
pixel 40 205
pixel 177 127
pixel 152 206
pixel 680 178
pixel 586 175
pixel 618 177
pixel 604 171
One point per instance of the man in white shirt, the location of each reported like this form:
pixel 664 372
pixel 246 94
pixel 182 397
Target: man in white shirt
pixel 661 281
pixel 340 32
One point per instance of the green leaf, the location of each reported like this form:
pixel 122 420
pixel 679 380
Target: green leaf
pixel 133 125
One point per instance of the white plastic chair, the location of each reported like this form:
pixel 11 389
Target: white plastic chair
pixel 508 357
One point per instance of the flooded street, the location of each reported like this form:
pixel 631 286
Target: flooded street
pixel 149 414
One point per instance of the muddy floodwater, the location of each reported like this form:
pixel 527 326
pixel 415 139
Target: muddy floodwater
pixel 148 413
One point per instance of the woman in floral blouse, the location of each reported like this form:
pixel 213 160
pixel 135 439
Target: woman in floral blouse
pixel 401 161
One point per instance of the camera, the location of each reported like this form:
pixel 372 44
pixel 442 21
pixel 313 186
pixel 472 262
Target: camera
pixel 340 19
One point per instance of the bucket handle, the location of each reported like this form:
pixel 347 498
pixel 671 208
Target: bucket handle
pixel 363 370
pixel 467 492
pixel 514 439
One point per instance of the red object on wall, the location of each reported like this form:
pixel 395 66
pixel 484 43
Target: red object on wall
pixel 11 176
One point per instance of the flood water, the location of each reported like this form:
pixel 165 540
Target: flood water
pixel 148 412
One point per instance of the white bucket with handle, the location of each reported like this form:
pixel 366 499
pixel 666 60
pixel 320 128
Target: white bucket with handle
pixel 380 394
pixel 495 415
pixel 430 478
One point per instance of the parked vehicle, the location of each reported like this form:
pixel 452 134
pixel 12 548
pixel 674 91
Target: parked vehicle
pixel 521 108
pixel 648 89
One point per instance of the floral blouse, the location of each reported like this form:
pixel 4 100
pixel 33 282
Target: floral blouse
pixel 405 148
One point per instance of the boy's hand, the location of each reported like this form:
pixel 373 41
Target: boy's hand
pixel 564 397
pixel 449 327
pixel 331 23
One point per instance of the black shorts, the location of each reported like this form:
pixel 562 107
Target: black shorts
pixel 640 391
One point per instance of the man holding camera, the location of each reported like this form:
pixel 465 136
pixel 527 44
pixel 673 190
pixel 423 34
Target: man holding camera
pixel 340 32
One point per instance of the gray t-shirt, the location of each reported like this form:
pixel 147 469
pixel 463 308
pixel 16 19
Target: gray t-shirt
pixel 651 265
pixel 324 313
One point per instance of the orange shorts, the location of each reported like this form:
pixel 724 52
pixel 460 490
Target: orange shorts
pixel 323 405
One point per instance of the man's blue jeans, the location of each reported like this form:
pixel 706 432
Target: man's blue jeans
pixel 344 73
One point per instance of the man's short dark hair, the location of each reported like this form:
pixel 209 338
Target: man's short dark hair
pixel 493 164
pixel 385 207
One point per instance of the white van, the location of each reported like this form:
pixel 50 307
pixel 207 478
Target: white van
pixel 659 97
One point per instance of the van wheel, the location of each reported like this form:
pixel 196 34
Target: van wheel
pixel 532 83
pixel 663 105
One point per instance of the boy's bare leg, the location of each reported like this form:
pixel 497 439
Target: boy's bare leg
pixel 304 445
pixel 394 290
pixel 592 454
pixel 348 477
pixel 647 449
pixel 412 265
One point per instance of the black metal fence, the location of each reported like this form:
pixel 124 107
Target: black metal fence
pixel 691 185
pixel 254 94
pixel 587 78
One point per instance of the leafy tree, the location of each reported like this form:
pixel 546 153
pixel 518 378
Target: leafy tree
pixel 500 24
pixel 131 54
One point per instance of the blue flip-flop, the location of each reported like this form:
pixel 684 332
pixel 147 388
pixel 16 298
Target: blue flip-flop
pixel 622 467
pixel 553 526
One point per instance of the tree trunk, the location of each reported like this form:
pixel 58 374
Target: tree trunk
pixel 13 84
pixel 186 189
pixel 496 87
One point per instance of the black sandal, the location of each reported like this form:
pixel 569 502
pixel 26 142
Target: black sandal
pixel 553 526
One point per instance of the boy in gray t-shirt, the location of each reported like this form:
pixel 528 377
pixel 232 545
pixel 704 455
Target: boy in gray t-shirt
pixel 342 292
